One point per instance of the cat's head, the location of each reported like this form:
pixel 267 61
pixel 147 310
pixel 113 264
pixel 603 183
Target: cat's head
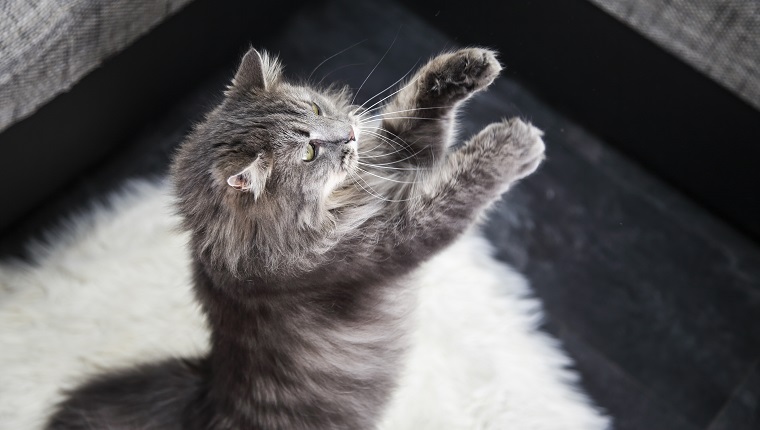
pixel 271 137
pixel 265 166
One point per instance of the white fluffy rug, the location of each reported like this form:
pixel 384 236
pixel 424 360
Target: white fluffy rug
pixel 111 289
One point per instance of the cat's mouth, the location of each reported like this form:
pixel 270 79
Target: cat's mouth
pixel 350 160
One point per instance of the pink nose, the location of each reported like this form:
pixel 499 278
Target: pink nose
pixel 351 137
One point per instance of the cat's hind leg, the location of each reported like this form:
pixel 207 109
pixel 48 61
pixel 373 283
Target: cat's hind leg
pixel 160 396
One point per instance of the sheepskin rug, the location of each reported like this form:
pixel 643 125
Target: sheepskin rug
pixel 111 288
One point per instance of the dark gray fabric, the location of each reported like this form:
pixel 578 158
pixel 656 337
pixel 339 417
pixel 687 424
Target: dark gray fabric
pixel 721 38
pixel 46 46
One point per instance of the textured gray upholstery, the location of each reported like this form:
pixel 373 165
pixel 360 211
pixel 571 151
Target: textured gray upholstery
pixel 721 38
pixel 46 46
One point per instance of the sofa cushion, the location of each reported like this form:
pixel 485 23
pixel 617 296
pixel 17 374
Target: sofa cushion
pixel 720 38
pixel 46 46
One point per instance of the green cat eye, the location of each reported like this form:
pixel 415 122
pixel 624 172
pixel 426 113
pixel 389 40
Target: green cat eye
pixel 315 109
pixel 310 153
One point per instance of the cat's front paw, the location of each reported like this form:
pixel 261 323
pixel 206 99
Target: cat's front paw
pixel 458 74
pixel 517 145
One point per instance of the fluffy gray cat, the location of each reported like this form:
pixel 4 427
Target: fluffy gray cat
pixel 305 222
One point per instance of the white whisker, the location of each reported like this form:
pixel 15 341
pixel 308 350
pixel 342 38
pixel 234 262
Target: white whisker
pixel 408 117
pixel 335 70
pixel 364 155
pixel 386 167
pixel 391 94
pixel 388 87
pixel 402 142
pixel 373 69
pixel 405 110
pixel 333 56
pixel 389 132
pixel 379 155
pixel 374 193
pixel 400 145
pixel 387 179
pixel 386 154
pixel 403 159
pixel 406 147
pixel 371 150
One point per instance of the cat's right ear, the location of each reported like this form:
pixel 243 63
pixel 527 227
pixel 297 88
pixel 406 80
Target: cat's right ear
pixel 257 71
pixel 253 178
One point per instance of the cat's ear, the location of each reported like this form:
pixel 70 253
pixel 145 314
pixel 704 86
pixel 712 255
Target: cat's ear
pixel 257 71
pixel 253 178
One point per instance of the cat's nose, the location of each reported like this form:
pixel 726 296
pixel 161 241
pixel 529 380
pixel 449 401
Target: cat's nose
pixel 351 137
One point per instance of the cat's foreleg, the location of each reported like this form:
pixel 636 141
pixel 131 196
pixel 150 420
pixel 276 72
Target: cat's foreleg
pixel 442 202
pixel 419 119
pixel 469 179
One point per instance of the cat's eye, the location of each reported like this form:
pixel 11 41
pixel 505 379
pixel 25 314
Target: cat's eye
pixel 309 153
pixel 316 109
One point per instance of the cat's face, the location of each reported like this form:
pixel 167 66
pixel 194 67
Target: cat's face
pixel 280 139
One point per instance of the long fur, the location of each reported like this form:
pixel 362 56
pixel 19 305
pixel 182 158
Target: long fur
pixel 110 289
pixel 310 317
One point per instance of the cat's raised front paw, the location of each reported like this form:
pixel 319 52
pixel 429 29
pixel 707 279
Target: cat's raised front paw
pixel 461 73
pixel 518 145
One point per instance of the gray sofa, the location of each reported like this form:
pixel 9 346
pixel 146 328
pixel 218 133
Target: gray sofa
pixel 720 38
pixel 48 46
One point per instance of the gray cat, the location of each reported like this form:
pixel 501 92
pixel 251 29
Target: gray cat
pixel 305 223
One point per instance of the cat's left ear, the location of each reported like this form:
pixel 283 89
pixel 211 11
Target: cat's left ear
pixel 257 71
pixel 253 178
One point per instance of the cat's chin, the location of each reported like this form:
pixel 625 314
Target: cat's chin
pixel 350 160
pixel 336 181
pixel 343 175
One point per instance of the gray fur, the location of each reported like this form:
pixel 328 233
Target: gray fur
pixel 301 266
